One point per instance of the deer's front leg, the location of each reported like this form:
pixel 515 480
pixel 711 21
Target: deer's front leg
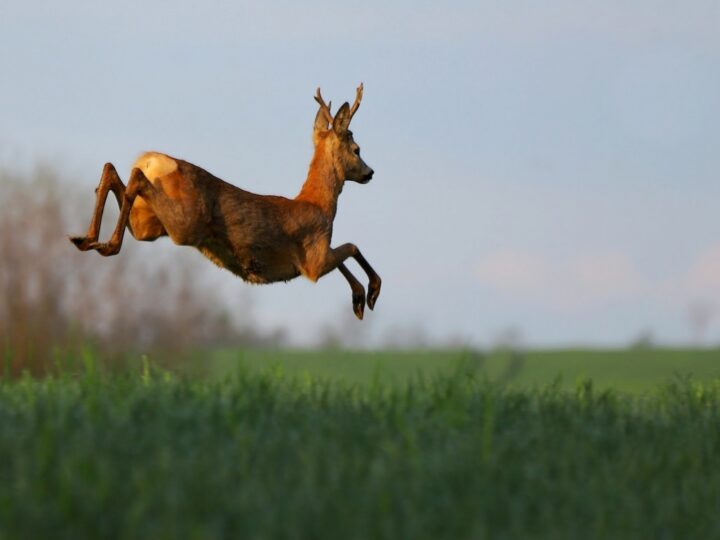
pixel 358 291
pixel 334 259
pixel 109 181
pixel 375 281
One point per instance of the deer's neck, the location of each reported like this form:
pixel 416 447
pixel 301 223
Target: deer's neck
pixel 323 184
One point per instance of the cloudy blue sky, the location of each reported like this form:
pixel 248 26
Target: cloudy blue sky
pixel 545 165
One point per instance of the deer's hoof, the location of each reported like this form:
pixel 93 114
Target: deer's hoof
pixel 105 249
pixel 373 293
pixel 81 242
pixel 359 304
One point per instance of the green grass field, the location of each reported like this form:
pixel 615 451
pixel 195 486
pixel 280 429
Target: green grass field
pixel 626 370
pixel 357 445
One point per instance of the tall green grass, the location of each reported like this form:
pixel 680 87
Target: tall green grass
pixel 267 454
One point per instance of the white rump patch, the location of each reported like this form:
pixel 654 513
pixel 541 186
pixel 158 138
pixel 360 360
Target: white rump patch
pixel 155 165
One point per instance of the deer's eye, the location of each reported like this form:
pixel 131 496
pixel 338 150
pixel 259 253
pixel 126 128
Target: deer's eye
pixel 356 150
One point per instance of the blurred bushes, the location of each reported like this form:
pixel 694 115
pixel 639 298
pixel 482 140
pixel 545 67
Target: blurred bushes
pixel 55 299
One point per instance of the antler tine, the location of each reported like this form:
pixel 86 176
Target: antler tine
pixel 325 108
pixel 358 99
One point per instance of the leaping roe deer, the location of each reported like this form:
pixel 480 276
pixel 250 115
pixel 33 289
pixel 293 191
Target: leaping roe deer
pixel 261 238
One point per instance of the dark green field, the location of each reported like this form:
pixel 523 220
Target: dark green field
pixel 392 445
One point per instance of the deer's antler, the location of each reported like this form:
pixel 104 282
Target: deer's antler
pixel 325 108
pixel 358 99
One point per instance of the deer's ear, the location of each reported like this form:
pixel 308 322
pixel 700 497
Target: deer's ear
pixel 321 123
pixel 342 119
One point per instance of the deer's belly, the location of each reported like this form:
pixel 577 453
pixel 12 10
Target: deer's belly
pixel 253 266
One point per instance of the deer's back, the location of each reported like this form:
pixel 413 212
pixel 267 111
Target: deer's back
pixel 258 237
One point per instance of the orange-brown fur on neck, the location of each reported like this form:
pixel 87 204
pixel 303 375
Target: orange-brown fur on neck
pixel 323 184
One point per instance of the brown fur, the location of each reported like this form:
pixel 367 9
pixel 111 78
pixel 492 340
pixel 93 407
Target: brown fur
pixel 261 238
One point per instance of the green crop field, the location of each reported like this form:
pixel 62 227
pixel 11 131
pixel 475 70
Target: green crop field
pixel 626 370
pixel 366 445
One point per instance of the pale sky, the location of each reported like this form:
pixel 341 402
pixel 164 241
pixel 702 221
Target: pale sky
pixel 550 166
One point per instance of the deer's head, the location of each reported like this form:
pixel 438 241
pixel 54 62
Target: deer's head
pixel 337 140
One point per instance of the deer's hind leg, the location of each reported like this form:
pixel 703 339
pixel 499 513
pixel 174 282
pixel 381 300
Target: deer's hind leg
pixel 137 185
pixel 109 181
